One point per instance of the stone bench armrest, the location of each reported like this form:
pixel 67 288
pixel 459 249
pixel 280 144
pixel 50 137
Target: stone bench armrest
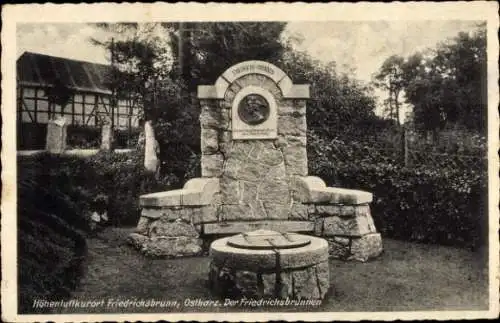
pixel 197 191
pixel 312 189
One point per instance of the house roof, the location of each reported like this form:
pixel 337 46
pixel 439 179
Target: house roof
pixel 43 70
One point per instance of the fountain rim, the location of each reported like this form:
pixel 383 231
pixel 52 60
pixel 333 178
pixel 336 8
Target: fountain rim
pixel 268 240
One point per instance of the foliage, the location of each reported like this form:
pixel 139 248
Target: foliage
pixel 181 159
pixel 390 79
pixel 441 203
pixel 456 84
pixel 56 195
pixel 339 104
pixel 50 258
pixel 446 85
pixel 451 139
pixel 120 177
pixel 123 179
pixel 204 50
pixel 31 136
pixel 126 138
pixel 59 94
pixel 142 70
pixel 89 137
pixel 83 136
pixel 423 204
pixel 51 246
pixel 140 64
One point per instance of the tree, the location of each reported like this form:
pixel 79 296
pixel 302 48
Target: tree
pixel 141 71
pixel 447 86
pixel 203 50
pixel 59 94
pixel 340 106
pixel 390 78
pixel 200 52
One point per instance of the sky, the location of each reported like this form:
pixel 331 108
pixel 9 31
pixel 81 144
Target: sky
pixel 356 46
pixel 365 45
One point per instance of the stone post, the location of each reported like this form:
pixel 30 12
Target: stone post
pixel 56 135
pixel 107 137
pixel 151 161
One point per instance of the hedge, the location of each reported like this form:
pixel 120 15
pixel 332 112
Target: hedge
pixel 126 138
pixel 56 194
pixel 443 204
pixel 31 136
pixel 83 137
pixel 122 178
pixel 119 177
pixel 51 245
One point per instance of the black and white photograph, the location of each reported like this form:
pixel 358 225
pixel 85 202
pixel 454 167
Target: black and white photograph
pixel 250 162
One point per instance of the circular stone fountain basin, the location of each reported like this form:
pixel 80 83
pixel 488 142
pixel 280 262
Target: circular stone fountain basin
pixel 265 263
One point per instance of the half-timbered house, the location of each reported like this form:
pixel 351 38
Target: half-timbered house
pixel 49 86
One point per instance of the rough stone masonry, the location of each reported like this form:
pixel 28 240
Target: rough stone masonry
pixel 255 175
pixel 299 270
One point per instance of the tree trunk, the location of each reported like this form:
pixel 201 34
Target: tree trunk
pixel 396 103
pixel 151 161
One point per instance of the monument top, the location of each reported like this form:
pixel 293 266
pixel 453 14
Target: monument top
pixel 253 67
pixel 289 90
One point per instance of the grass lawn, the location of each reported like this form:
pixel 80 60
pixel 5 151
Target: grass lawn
pixel 407 277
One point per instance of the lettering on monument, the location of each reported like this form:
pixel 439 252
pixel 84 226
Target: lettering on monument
pixel 253 68
pixel 254 132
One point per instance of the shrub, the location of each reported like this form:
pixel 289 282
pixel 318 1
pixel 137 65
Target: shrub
pixel 55 185
pixel 31 136
pixel 126 138
pixel 55 196
pixel 123 179
pixel 181 160
pixel 443 204
pixel 422 204
pixel 50 249
pixel 81 136
pixel 120 177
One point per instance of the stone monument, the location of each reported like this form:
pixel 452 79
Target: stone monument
pixel 255 175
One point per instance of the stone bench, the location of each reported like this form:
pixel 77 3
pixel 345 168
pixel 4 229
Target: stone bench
pixel 341 216
pixel 170 221
pixel 196 192
pixel 313 190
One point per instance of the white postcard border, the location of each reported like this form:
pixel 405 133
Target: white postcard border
pixel 13 14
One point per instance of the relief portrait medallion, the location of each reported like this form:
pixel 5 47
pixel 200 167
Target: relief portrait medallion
pixel 253 109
